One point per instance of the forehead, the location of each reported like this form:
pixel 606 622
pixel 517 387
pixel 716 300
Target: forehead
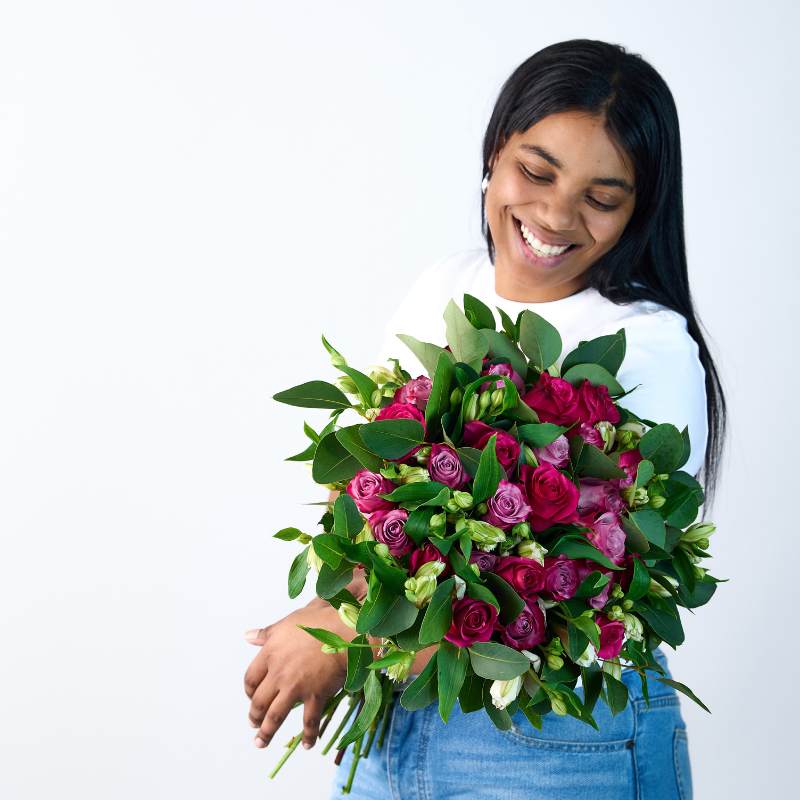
pixel 579 141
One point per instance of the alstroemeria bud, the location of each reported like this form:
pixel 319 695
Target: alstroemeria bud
pixel 481 508
pixel 627 604
pixel 456 396
pixel 617 592
pixel 529 456
pixel 314 561
pixel 662 591
pixel 697 531
pixel 388 391
pixel 434 568
pixel 498 398
pixel 370 414
pixel 522 529
pixel 557 702
pixel 375 397
pixel 615 613
pixel 461 586
pixel 382 550
pixel 399 671
pixel 587 657
pixel 656 501
pixel 329 648
pixel 471 411
pixel 345 383
pixel 423 455
pixel 437 523
pixel 505 692
pixel 484 400
pixel 483 533
pixel 348 613
pixel 381 375
pixel 608 434
pixel 633 427
pixel 626 439
pixel 420 588
pixel 531 549
pixel 633 628
pixel 536 662
pixel 554 662
pixel 476 569
pixel 463 499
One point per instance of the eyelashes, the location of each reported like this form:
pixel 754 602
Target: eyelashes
pixel 541 179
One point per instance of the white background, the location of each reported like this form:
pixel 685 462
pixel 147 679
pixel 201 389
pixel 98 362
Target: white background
pixel 190 193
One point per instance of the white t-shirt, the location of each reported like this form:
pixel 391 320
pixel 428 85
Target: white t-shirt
pixel 660 355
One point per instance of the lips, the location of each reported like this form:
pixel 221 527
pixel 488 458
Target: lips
pixel 537 233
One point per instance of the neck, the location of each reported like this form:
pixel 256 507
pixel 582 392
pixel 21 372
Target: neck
pixel 511 285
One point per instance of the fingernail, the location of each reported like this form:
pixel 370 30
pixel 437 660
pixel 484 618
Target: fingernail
pixel 260 742
pixel 307 745
pixel 251 635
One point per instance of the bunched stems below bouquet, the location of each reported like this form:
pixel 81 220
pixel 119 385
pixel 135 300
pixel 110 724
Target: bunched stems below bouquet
pixel 506 510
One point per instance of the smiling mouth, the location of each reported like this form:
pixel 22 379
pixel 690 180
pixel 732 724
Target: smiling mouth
pixel 541 255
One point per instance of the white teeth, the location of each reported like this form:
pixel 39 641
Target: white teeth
pixel 538 246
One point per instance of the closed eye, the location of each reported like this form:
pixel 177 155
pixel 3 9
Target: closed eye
pixel 541 179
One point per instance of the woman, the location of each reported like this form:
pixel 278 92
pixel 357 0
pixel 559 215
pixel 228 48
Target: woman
pixel 583 220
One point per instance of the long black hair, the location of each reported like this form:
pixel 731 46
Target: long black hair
pixel 649 260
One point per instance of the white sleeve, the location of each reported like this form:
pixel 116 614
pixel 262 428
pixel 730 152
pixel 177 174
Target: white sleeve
pixel 663 358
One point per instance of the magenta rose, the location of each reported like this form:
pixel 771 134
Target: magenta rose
pixel 629 461
pixel 509 372
pixel 397 410
pixel 597 495
pixel 608 537
pixel 364 488
pixel 555 453
pixel 553 399
pixel 584 566
pixel 589 434
pixel 526 575
pixel 416 391
pixel 445 466
pixel 473 621
pixel 561 577
pixel 422 555
pixel 612 636
pixel 553 497
pixel 484 560
pixel 594 404
pixel 507 506
pixel 477 434
pixel 389 527
pixel 527 630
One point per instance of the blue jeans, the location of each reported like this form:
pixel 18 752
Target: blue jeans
pixel 641 754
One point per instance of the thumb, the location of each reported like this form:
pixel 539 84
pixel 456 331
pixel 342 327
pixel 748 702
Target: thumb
pixel 256 636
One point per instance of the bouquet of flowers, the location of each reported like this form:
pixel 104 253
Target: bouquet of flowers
pixel 510 512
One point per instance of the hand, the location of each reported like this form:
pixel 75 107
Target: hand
pixel 291 667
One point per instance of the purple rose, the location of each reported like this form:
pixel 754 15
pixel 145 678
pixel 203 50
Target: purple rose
pixel 555 453
pixel 507 506
pixel 484 560
pixel 364 488
pixel 389 527
pixel 608 536
pixel 445 467
pixel 597 495
pixel 416 391
pixel 509 372
pixel 586 566
pixel 561 577
pixel 473 621
pixel 527 630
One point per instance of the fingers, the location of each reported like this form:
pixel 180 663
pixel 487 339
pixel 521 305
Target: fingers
pixel 312 711
pixel 256 673
pixel 257 636
pixel 276 713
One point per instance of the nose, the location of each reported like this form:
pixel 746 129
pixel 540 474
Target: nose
pixel 557 215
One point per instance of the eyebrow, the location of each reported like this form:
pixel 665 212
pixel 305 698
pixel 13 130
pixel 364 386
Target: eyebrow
pixel 551 159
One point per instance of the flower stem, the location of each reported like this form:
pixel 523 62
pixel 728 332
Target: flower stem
pixel 353 700
pixel 356 755
pixel 384 722
pixel 290 748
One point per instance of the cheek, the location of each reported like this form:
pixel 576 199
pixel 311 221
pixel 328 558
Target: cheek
pixel 606 232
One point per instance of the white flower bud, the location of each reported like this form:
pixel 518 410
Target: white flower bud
pixel 348 613
pixel 314 561
pixel 587 657
pixel 505 692
pixel 460 587
pixel 531 549
pixel 633 628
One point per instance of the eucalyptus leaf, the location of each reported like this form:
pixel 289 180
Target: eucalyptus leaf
pixel 314 394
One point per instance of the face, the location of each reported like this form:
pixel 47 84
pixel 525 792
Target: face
pixel 561 182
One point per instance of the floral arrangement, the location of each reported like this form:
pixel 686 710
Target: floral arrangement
pixel 508 511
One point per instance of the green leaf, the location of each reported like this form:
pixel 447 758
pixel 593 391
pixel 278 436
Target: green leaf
pixel 452 669
pixel 314 394
pixel 326 546
pixel 420 493
pixel 350 439
pixel 595 374
pixel 439 398
pixel 589 627
pixel 373 695
pixel 330 581
pixel 686 690
pixel 365 385
pixel 478 313
pixel 467 343
pixel 327 637
pixel 500 346
pixel 418 524
pixel 644 472
pixel 298 572
pixel 617 693
pixel 574 548
pixel 577 641
pixel 680 507
pixel 663 445
pixel 438 614
pixel 496 661
pixel 470 458
pixel 386 613
pixel 358 661
pixel 607 351
pixel 640 582
pixel 539 340
pixel 664 624
pixel 287 534
pixel 332 463
pixel 635 540
pixel 593 462
pixel 592 584
pixel 470 698
pixel 511 604
pixel 347 519
pixel 489 474
pixel 424 689
pixel 540 434
pixel 392 438
pixel 427 353
pixel 477 591
pixel 651 524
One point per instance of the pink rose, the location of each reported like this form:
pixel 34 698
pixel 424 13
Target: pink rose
pixel 598 495
pixel 526 575
pixel 612 636
pixel 527 630
pixel 608 537
pixel 507 506
pixel 629 461
pixel 555 453
pixel 584 567
pixel 416 391
pixel 508 371
pixel 473 621
pixel 389 527
pixel 445 466
pixel 364 488
pixel 589 434
pixel 561 577
pixel 397 410
pixel 553 399
pixel 552 495
pixel 476 434
pixel 594 404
